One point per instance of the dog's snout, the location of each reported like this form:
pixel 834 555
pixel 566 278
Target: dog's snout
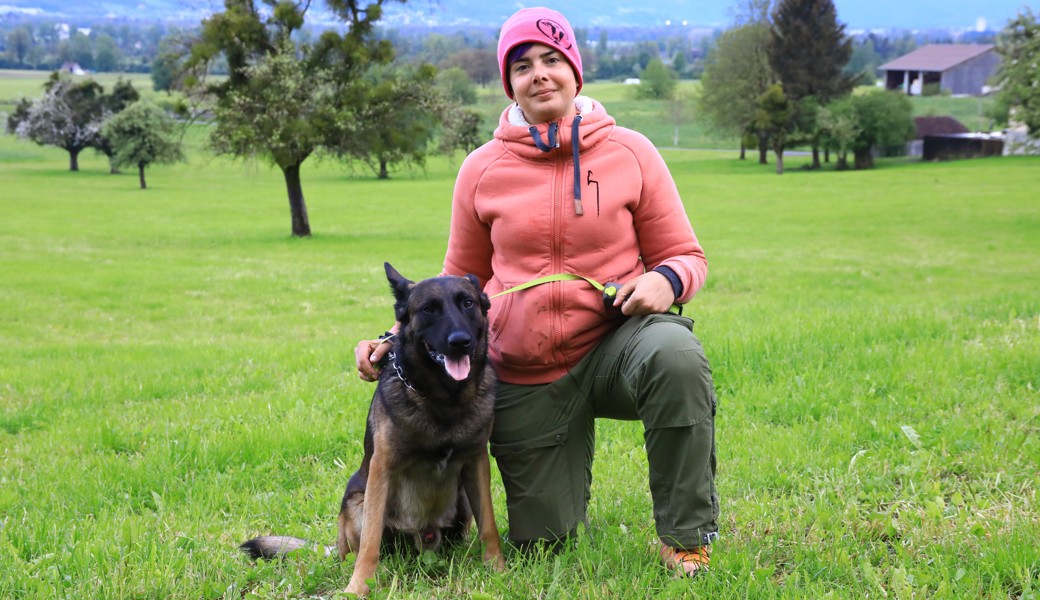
pixel 459 340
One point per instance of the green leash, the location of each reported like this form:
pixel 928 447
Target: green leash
pixel 609 290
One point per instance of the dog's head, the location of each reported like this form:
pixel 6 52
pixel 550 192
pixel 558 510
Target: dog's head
pixel 444 319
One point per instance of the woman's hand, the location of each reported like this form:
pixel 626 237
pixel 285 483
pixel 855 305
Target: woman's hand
pixel 650 293
pixel 368 353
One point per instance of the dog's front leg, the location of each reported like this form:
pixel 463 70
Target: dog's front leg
pixel 372 527
pixel 477 483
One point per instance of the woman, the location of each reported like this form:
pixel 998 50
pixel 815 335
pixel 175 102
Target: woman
pixel 562 189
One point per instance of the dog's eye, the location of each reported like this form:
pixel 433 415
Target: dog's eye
pixel 430 309
pixel 467 303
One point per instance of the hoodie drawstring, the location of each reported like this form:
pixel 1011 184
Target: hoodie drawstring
pixel 577 165
pixel 575 146
pixel 553 142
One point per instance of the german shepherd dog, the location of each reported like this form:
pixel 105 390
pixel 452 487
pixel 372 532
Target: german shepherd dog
pixel 425 471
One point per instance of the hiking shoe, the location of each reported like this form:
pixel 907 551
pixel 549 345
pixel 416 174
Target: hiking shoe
pixel 688 562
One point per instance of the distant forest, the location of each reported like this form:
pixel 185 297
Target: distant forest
pixel 608 54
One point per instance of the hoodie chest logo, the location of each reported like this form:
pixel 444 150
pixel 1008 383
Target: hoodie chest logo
pixel 593 182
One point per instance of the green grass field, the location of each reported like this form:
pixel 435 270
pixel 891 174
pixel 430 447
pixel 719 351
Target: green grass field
pixel 176 376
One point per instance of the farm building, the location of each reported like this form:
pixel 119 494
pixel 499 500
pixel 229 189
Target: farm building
pixel 946 138
pixel 960 69
pixel 932 126
pixel 962 145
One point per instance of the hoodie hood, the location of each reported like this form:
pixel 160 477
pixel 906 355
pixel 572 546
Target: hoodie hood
pixel 546 141
pixel 515 132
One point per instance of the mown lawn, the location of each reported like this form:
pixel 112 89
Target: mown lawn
pixel 176 375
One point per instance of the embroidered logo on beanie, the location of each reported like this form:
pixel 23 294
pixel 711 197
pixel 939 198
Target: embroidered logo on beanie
pixel 555 32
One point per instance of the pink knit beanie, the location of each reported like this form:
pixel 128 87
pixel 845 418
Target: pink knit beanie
pixel 541 26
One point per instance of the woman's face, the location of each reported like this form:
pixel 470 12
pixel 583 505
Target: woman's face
pixel 544 84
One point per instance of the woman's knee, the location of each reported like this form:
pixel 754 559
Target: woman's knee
pixel 675 380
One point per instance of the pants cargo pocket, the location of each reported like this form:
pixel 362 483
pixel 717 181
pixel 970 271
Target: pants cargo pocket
pixel 544 484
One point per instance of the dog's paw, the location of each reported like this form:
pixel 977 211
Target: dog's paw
pixel 358 588
pixel 496 560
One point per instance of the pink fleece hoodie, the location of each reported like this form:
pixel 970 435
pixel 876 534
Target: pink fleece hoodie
pixel 514 220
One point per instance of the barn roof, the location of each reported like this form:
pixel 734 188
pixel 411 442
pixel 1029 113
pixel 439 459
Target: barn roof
pixel 937 126
pixel 936 57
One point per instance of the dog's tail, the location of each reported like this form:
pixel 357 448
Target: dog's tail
pixel 277 546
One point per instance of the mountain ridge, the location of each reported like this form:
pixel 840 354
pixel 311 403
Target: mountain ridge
pixel 591 14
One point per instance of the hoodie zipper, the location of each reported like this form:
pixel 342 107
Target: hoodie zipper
pixel 556 325
pixel 557 218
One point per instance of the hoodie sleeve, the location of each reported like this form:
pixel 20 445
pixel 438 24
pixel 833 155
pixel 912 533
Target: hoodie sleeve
pixel 469 238
pixel 665 235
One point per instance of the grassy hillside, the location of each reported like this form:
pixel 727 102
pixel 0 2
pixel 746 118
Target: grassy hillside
pixel 176 376
pixel 656 119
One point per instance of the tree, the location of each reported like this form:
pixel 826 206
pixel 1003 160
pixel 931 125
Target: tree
pixel 680 64
pixel 480 64
pixel 166 70
pixel 282 101
pixel 808 53
pixel 885 122
pixel 460 129
pixel 805 128
pixel 839 128
pixel 455 85
pixel 774 117
pixel 1019 45
pixel 81 51
pixel 282 114
pixel 679 109
pixel 123 94
pixel 657 81
pixel 143 135
pixel 736 74
pixel 107 55
pixel 19 43
pixel 460 126
pixel 864 61
pixel 69 116
pixel 396 121
pixel 747 12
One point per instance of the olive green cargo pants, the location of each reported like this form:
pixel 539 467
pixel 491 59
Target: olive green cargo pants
pixel 651 369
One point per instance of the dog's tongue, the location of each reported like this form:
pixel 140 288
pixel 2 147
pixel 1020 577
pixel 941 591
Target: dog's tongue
pixel 458 368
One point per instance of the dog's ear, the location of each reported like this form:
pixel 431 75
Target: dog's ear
pixel 401 288
pixel 485 303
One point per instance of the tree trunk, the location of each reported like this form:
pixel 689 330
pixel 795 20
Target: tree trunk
pixel 743 149
pixel 74 159
pixel 301 225
pixel 779 161
pixel 140 175
pixel 815 156
pixel 826 155
pixel 864 159
pixel 763 149
pixel 383 174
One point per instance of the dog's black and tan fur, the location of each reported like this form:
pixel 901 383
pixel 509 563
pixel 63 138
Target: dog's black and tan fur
pixel 425 471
